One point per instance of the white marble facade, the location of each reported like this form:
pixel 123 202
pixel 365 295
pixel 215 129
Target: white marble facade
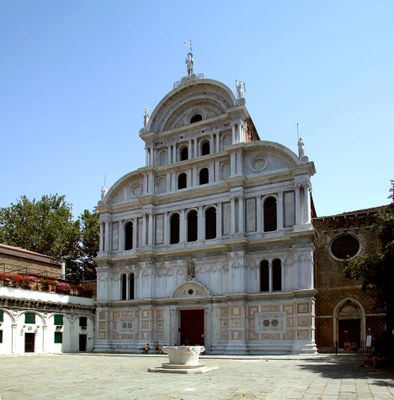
pixel 217 221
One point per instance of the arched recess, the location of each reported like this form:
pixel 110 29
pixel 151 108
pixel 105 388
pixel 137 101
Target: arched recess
pixel 190 289
pixel 210 222
pixel 203 176
pixel 348 323
pixel 205 147
pixel 183 153
pixel 163 157
pixel 192 225
pixel 182 180
pixel 128 235
pixel 270 214
pixel 174 228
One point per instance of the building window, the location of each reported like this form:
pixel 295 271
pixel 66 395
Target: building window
pixel 1 316
pixel 123 285
pixel 174 229
pixel 195 118
pixel 182 181
pixel 204 176
pixel 58 319
pixel 210 223
pixel 1 336
pixel 205 148
pixel 128 233
pixel 58 337
pixel 83 322
pixel 131 286
pixel 184 153
pixel 277 275
pixel 345 246
pixel 264 276
pixel 270 215
pixel 192 226
pixel 30 318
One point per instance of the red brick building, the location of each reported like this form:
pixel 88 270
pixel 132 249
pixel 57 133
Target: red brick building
pixel 345 314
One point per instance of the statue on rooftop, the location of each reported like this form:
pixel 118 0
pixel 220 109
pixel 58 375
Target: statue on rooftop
pixel 146 117
pixel 240 86
pixel 190 64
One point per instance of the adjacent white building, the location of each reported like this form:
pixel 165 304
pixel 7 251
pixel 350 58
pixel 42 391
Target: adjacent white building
pixel 34 320
pixel 211 241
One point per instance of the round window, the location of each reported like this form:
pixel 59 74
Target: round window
pixel 345 246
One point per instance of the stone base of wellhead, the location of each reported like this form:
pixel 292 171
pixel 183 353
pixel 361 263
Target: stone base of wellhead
pixel 180 370
pixel 183 360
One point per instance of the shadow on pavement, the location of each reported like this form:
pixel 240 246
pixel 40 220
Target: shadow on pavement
pixel 348 367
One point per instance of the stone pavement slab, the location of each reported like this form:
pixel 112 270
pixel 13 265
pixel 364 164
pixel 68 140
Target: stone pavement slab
pixel 126 377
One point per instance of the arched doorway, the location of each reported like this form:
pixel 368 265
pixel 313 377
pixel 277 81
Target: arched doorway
pixel 349 324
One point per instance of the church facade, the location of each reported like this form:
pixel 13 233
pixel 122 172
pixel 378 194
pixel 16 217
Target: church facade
pixel 211 242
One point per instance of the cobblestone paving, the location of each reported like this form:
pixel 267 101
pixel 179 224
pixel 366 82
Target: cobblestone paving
pixel 125 377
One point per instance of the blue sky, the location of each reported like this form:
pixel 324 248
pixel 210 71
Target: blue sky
pixel 76 75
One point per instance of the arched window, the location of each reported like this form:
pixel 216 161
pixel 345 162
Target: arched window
pixel 205 148
pixel 182 181
pixel 204 176
pixel 128 235
pixel 210 223
pixel 277 275
pixel 264 276
pixel 270 213
pixel 123 285
pixel 184 153
pixel 195 118
pixel 174 229
pixel 131 286
pixel 192 226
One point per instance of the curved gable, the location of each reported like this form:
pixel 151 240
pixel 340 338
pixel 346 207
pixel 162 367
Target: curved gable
pixel 127 188
pixel 206 97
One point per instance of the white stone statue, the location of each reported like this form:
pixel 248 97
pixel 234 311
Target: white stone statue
pixel 301 148
pixel 191 269
pixel 103 191
pixel 240 85
pixel 146 117
pixel 190 64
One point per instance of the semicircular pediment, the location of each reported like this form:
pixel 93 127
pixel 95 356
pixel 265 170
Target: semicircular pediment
pixel 190 289
pixel 209 97
pixel 265 157
pixel 128 188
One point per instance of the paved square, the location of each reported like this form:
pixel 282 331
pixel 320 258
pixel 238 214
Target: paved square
pixel 126 377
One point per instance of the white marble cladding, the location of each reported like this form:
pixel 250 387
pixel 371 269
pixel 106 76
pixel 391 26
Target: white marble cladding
pixel 215 215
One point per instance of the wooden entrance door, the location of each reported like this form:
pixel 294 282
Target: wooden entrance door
pixel 192 327
pixel 349 332
pixel 29 342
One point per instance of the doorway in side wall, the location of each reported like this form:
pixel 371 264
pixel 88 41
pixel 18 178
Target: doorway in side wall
pixel 83 339
pixel 192 327
pixel 29 342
